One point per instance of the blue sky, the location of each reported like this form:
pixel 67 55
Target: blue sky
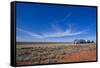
pixel 54 23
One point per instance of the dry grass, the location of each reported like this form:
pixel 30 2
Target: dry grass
pixel 54 53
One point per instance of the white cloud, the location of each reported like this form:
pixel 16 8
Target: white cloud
pixel 56 32
pixel 35 35
pixel 56 28
pixel 67 32
pixel 66 17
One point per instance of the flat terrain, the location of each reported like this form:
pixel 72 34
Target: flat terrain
pixel 45 53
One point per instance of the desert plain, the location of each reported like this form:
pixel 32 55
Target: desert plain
pixel 54 52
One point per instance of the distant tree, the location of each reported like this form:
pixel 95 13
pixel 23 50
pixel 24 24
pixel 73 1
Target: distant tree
pixel 76 41
pixel 82 41
pixel 79 41
pixel 88 41
pixel 92 41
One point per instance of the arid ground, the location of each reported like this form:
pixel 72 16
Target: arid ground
pixel 45 53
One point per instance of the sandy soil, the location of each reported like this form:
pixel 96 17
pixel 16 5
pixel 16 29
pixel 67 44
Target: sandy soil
pixel 85 55
pixel 54 53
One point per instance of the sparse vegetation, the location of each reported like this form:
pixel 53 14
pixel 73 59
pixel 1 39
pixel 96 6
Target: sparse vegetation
pixel 45 54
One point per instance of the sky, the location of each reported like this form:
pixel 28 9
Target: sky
pixel 54 23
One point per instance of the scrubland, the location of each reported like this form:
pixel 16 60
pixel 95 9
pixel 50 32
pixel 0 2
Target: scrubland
pixel 28 54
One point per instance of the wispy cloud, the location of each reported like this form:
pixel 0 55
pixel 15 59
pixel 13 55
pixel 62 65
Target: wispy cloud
pixel 56 28
pixel 66 17
pixel 56 32
pixel 67 32
pixel 63 19
pixel 35 35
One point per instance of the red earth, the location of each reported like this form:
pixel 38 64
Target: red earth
pixel 84 55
